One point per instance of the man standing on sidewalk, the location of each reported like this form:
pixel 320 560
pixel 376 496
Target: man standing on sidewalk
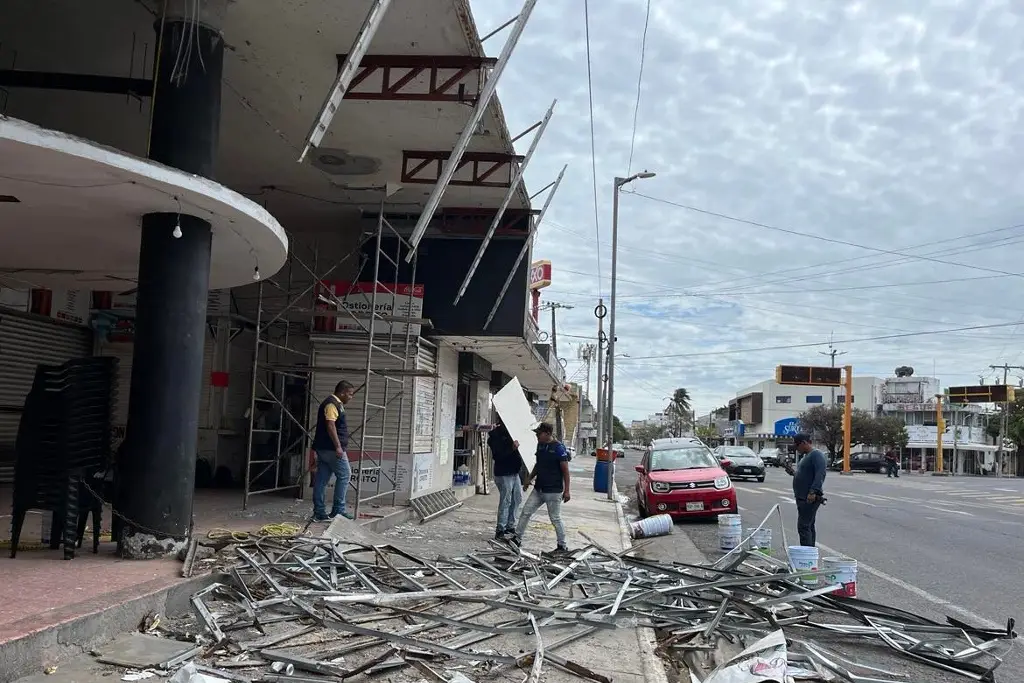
pixel 330 442
pixel 808 487
pixel 552 475
pixel 508 464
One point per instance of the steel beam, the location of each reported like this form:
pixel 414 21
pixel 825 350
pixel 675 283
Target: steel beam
pixel 526 247
pixel 482 102
pixel 512 187
pixel 425 168
pixel 417 78
pixel 345 75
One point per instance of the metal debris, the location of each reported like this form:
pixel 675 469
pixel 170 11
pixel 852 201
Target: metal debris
pixel 325 610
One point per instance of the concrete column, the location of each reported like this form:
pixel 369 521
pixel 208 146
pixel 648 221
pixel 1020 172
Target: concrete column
pixel 157 463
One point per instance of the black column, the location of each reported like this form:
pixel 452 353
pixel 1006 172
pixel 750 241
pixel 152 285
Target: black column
pixel 157 462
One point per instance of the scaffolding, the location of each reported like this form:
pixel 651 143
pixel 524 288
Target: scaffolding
pixel 284 359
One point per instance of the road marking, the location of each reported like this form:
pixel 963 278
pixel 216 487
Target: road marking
pixel 1007 490
pixel 900 583
pixel 955 512
pixel 787 499
pixel 863 502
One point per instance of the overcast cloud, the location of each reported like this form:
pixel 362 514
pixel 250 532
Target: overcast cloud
pixel 890 124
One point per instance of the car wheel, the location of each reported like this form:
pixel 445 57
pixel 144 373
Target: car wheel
pixel 641 508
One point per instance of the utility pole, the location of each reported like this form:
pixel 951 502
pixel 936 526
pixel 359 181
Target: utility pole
pixel 554 306
pixel 832 353
pixel 585 354
pixel 600 312
pixel 1004 425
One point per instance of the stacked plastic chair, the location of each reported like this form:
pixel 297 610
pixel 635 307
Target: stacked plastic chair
pixel 63 447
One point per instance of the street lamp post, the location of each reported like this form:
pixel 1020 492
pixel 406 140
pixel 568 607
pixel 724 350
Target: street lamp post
pixel 619 182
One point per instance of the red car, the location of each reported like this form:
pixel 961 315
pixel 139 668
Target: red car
pixel 682 478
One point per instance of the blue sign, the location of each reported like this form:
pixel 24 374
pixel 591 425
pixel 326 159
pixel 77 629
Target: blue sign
pixel 741 428
pixel 789 426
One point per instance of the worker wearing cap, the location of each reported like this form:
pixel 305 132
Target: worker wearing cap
pixel 551 473
pixel 808 487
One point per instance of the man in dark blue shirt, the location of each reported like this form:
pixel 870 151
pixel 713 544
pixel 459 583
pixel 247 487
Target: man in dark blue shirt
pixel 330 442
pixel 808 487
pixel 552 489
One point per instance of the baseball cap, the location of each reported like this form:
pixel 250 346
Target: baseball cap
pixel 544 428
pixel 801 438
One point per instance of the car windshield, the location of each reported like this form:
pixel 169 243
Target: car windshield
pixel 681 459
pixel 769 451
pixel 738 452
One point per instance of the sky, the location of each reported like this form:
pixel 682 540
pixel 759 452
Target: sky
pixel 825 170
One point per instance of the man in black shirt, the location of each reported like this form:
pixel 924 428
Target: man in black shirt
pixel 552 489
pixel 507 466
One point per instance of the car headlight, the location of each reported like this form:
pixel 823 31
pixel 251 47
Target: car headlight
pixel 660 487
pixel 722 483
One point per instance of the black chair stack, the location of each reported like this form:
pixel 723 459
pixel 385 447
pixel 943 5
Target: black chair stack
pixel 63 447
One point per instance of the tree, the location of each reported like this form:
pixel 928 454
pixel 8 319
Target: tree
pixel 619 432
pixel 679 412
pixel 887 431
pixel 706 432
pixel 825 424
pixel 647 433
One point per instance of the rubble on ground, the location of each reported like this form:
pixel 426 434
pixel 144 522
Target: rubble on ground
pixel 311 610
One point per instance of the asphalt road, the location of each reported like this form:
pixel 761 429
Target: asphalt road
pixel 935 546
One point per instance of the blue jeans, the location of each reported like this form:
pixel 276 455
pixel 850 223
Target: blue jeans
pixel 510 496
pixel 329 463
pixel 553 501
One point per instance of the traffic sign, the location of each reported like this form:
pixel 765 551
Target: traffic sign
pixel 984 393
pixel 809 375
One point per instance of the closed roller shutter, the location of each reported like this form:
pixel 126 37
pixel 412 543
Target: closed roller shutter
pixel 425 403
pixel 26 342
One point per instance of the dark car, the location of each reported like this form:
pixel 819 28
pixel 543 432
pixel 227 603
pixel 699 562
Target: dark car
pixel 771 456
pixel 740 462
pixel 862 460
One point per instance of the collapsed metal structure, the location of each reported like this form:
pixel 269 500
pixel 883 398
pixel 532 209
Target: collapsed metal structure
pixel 286 602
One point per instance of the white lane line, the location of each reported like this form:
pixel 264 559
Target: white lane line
pixel 955 512
pixel 863 502
pixel 900 583
pixel 787 499
pixel 1007 490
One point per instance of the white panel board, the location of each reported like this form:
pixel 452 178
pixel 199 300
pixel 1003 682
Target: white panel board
pixel 515 412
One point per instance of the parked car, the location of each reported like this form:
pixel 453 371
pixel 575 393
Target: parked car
pixel 683 479
pixel 862 460
pixel 771 456
pixel 740 462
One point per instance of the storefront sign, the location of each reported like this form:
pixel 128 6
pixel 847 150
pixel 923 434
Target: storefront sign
pixel 16 299
pixel 789 426
pixel 69 306
pixel 540 274
pixel 358 299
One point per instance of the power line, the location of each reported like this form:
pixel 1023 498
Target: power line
pixel 813 344
pixel 822 238
pixel 639 84
pixel 593 140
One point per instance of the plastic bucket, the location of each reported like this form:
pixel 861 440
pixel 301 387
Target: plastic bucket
pixel 760 540
pixel 659 525
pixel 804 558
pixel 730 531
pixel 602 475
pixel 841 570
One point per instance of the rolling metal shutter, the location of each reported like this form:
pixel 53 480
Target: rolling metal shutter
pixel 25 342
pixel 425 402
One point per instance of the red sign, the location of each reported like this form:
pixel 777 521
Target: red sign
pixel 540 274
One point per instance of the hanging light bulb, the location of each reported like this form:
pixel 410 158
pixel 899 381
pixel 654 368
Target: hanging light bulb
pixel 256 274
pixel 177 229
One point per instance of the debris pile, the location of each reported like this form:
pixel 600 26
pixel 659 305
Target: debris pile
pixel 310 610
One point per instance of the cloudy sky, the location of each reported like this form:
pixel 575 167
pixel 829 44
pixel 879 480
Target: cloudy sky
pixel 823 168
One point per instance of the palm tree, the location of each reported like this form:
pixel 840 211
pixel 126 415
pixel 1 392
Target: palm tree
pixel 679 410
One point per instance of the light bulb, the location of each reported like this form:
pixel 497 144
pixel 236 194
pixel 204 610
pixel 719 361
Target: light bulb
pixel 256 274
pixel 177 229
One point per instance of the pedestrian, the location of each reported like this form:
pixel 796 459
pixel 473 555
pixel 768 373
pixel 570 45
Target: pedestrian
pixel 330 442
pixel 552 489
pixel 892 465
pixel 808 487
pixel 508 467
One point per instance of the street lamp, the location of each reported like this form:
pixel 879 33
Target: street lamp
pixel 619 182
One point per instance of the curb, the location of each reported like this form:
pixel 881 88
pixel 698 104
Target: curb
pixel 652 666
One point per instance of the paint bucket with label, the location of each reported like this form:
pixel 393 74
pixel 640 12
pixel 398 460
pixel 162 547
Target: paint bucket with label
pixel 804 558
pixel 841 570
pixel 760 540
pixel 730 531
pixel 658 525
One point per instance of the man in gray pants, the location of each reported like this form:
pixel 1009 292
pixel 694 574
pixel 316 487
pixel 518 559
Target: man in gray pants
pixel 552 475
pixel 508 467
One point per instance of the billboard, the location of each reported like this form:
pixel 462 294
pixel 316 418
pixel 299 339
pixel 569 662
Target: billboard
pixel 540 274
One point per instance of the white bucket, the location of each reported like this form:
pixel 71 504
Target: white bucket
pixel 842 570
pixel 659 525
pixel 804 558
pixel 730 531
pixel 760 540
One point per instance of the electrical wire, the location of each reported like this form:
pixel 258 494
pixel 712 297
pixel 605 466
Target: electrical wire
pixel 639 86
pixel 809 235
pixel 808 345
pixel 593 143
